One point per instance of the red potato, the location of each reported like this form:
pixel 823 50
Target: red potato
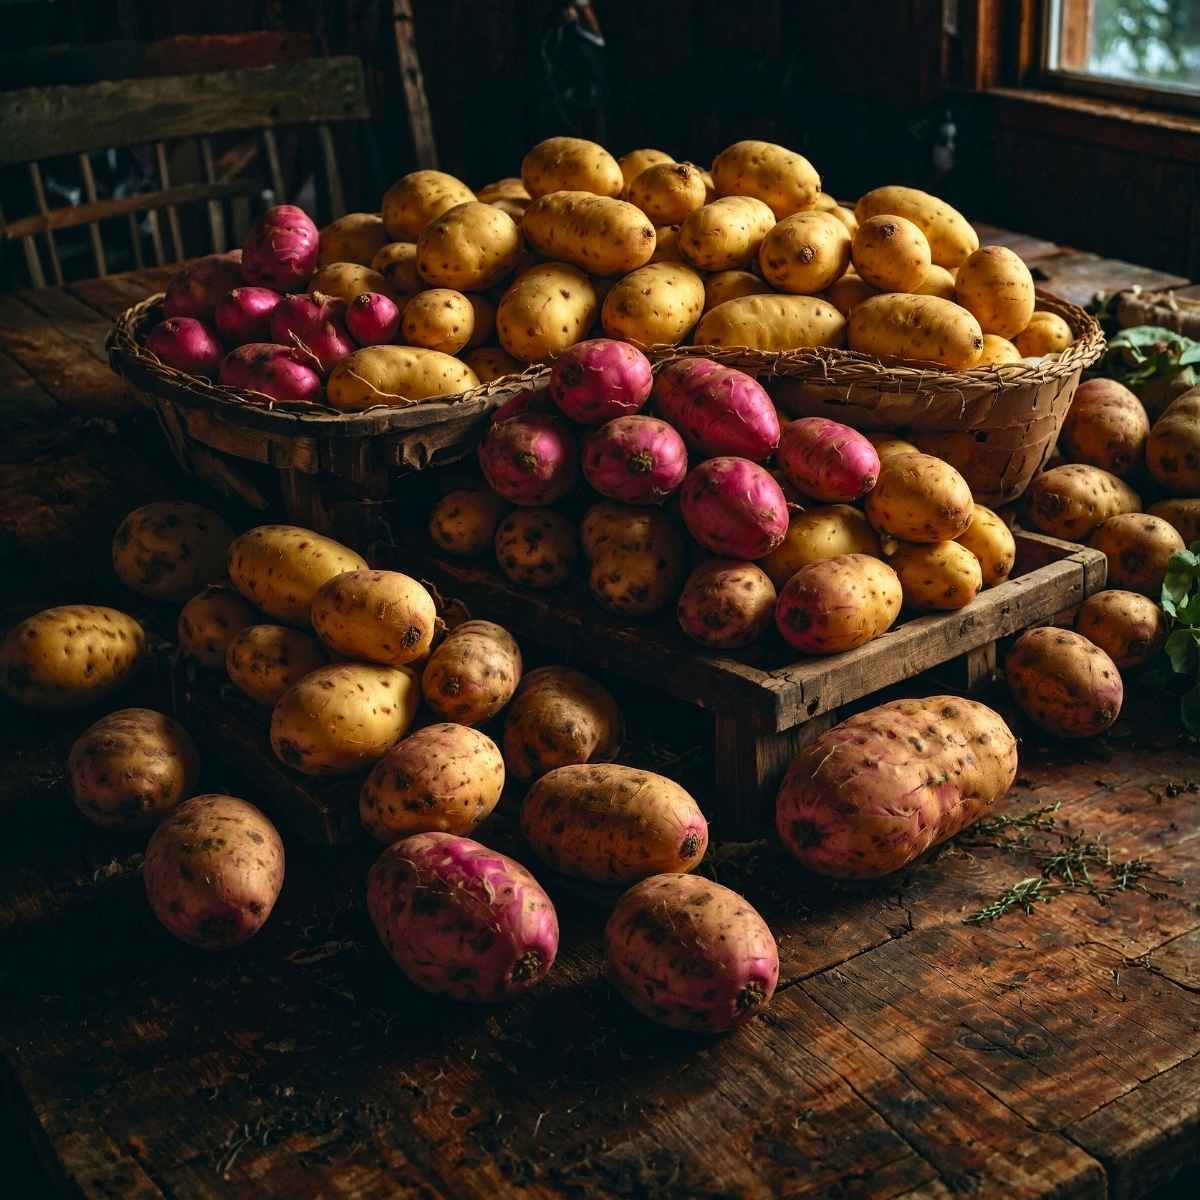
pixel 690 954
pixel 529 458
pixel 373 319
pixel 827 460
pixel 279 374
pixel 635 460
pixel 244 315
pixel 873 793
pixel 473 673
pixel 313 323
pixel 187 345
pixel 836 604
pixel 598 380
pixel 1063 682
pixel 281 249
pixel 461 920
pixel 734 508
pixel 194 290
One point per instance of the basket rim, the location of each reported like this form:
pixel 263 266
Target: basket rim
pixel 133 362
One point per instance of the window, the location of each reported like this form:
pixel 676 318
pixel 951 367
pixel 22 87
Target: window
pixel 1134 49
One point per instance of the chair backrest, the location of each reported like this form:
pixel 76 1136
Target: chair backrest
pixel 44 123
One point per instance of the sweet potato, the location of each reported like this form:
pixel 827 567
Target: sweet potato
pixel 827 460
pixel 734 508
pixel 595 381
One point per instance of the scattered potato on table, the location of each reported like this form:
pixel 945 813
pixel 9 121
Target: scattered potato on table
pixel 418 198
pixel 210 620
pixel 1063 682
pixel 1138 548
pixel 571 164
pixel 1046 333
pixel 991 541
pixel 1128 627
pixel 936 576
pixel 892 254
pixel 170 549
pixel 263 661
pixel 1068 502
pixel 375 616
pixel 473 673
pixel 919 498
pixel 464 521
pixel 536 547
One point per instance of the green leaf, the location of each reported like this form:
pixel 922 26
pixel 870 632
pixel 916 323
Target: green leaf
pixel 1189 613
pixel 1189 711
pixel 1180 648
pixel 1190 356
pixel 1175 588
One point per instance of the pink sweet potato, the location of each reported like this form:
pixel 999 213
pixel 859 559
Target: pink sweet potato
pixel 876 791
pixel 734 508
pixel 461 920
pixel 281 373
pixel 194 290
pixel 280 251
pixel 637 460
pixel 601 379
pixel 529 458
pixel 187 345
pixel 1063 682
pixel 719 411
pixel 244 315
pixel 827 460
pixel 314 323
pixel 690 954
pixel 373 319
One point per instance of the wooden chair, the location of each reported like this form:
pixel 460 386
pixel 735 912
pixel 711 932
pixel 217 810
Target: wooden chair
pixel 44 123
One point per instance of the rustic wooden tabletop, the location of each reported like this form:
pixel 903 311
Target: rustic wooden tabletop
pixel 909 1050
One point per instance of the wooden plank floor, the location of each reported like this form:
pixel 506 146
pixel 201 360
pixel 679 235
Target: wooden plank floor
pixel 908 1053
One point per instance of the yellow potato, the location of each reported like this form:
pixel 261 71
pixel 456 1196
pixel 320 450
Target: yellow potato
pixel 1046 333
pixel 536 547
pixel 438 319
pixel 463 522
pixel 731 285
pixel 343 718
pixel 1138 548
pixel 347 281
pixel 609 526
pixel 936 576
pixel 637 161
pixel 846 216
pixel 595 233
pixel 209 621
pixel 569 164
pixel 354 238
pixel 825 531
pixel 997 352
pixel 836 604
pixel 1173 447
pixel 375 616
pixel 725 233
pixel 170 549
pixel 70 656
pixel 891 253
pixel 469 247
pixel 395 374
pixel 919 498
pixel 263 661
pixel 772 323
pixel 416 199
pixel 773 174
pixel 491 362
pixel 397 263
pixel 991 541
pixel 666 244
pixel 950 236
pixel 824 202
pixel 937 282
pixel 658 303
pixel 847 293
pixel 473 673
pixel 1068 502
pixel 667 192
pixel 1106 426
pixel 995 285
pixel 547 309
pixel 805 253
pixel 1129 628
pixel 726 604
pixel 1183 515
pixel 916 327
pixel 511 207
pixel 484 310
pixel 279 568
pixel 889 443
pixel 636 583
pixel 508 188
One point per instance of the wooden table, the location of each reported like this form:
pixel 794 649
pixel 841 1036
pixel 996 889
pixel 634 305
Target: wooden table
pixel 907 1053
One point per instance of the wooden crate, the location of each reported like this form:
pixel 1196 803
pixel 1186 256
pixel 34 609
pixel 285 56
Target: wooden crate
pixel 765 702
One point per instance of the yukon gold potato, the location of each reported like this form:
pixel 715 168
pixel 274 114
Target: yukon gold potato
pixel 836 604
pixel 995 286
pixel 417 198
pixel 438 319
pixel 668 192
pixel 469 247
pixel 394 374
pixel 492 362
pixel 445 778
pixel 725 233
pixel 919 498
pixel 937 282
pixel 613 824
pixel 263 661
pixel 1046 333
pixel 131 768
pixel 170 549
pixel 375 616
pixel 484 310
pixel 636 583
pixel 824 531
pixel 1106 426
pixel 342 718
pixel 991 541
pixel 535 547
pixel 347 281
pixel 804 253
pixel 1173 448
pixel 559 717
pixel 873 793
pixel 570 164
pixel 354 238
pixel 510 187
pixel 597 234
pixel 213 871
pixel 936 576
pixel 473 673
pixel 779 177
pixel 210 620
pixel 1068 502
pixel 1138 548
pixel 637 161
pixel 658 303
pixel 1063 682
pixel 666 244
pixel 847 293
pixel 1184 515
pixel 463 522
pixel 997 352
pixel 916 327
pixel 732 285
pixel 70 656
pixel 846 216
pixel 892 254
pixel 397 263
pixel 889 443
pixel 547 309
pixel 772 323
pixel 1129 628
pixel 610 526
pixel 279 568
pixel 951 239
pixel 726 604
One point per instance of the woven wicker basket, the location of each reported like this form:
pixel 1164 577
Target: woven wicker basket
pixel 328 470
pixel 997 425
